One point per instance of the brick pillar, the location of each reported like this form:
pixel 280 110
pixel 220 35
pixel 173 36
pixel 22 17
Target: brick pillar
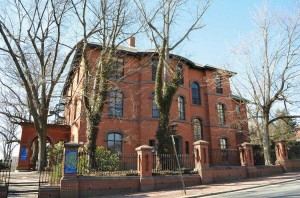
pixel 281 151
pixel 246 154
pixel 282 157
pixel 24 157
pixel 202 161
pixel 144 165
pixel 201 153
pixel 69 183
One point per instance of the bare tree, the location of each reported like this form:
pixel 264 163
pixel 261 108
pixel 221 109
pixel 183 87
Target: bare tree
pixel 9 132
pixel 161 22
pixel 37 51
pixel 270 61
pixel 113 19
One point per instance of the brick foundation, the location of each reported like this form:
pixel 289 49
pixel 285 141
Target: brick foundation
pixel 289 165
pixel 49 191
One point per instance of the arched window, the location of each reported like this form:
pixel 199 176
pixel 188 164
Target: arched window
pixel 114 142
pixel 154 68
pixel 115 103
pixel 196 93
pixel 197 130
pixel 224 148
pixel 221 113
pixel 180 70
pixel 155 111
pixel 181 109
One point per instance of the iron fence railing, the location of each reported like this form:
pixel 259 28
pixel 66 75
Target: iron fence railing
pixel 5 167
pixel 52 173
pixel 107 165
pixel 224 157
pixel 258 155
pixel 166 164
pixel 294 152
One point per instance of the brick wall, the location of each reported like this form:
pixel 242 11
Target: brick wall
pixel 137 125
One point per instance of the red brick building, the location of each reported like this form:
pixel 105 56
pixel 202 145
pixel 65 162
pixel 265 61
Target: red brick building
pixel 203 107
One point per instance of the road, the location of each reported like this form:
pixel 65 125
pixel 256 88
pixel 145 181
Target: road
pixel 286 189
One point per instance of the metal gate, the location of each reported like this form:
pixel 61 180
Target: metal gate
pixel 5 167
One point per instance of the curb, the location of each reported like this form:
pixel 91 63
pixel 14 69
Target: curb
pixel 229 191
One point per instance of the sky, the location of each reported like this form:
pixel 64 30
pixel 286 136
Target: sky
pixel 226 22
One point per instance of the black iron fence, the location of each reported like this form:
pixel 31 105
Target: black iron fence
pixel 166 164
pixel 107 164
pixel 224 157
pixel 294 151
pixel 258 155
pixel 52 173
pixel 5 167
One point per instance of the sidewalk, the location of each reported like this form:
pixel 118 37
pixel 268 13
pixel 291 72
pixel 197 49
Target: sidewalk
pixel 212 189
pixel 23 184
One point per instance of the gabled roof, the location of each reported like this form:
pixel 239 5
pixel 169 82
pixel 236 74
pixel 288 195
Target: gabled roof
pixel 132 51
pixel 239 99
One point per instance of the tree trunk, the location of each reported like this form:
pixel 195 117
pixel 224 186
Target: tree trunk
pixel 42 149
pixel 163 134
pixel 266 140
pixel 92 134
pixel 34 156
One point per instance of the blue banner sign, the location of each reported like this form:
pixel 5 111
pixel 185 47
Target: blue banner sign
pixel 71 162
pixel 23 154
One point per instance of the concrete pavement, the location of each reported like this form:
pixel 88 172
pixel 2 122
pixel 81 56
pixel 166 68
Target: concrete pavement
pixel 25 184
pixel 213 189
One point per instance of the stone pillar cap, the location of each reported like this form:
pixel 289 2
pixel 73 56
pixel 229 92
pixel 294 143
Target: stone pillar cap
pixel 72 145
pixel 201 142
pixel 280 141
pixel 246 144
pixel 144 147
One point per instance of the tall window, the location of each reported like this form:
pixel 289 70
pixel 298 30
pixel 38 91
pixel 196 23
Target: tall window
pixel 197 130
pixel 78 75
pixel 154 68
pixel 180 70
pixel 114 142
pixel 181 109
pixel 238 109
pixel 178 144
pixel 224 148
pixel 187 147
pixel 219 88
pixel 115 104
pixel 155 111
pixel 221 113
pixel 196 93
pixel 117 69
pixel 152 143
pixel 75 109
pixel 240 127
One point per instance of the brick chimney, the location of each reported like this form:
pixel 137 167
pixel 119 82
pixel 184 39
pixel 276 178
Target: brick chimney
pixel 131 41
